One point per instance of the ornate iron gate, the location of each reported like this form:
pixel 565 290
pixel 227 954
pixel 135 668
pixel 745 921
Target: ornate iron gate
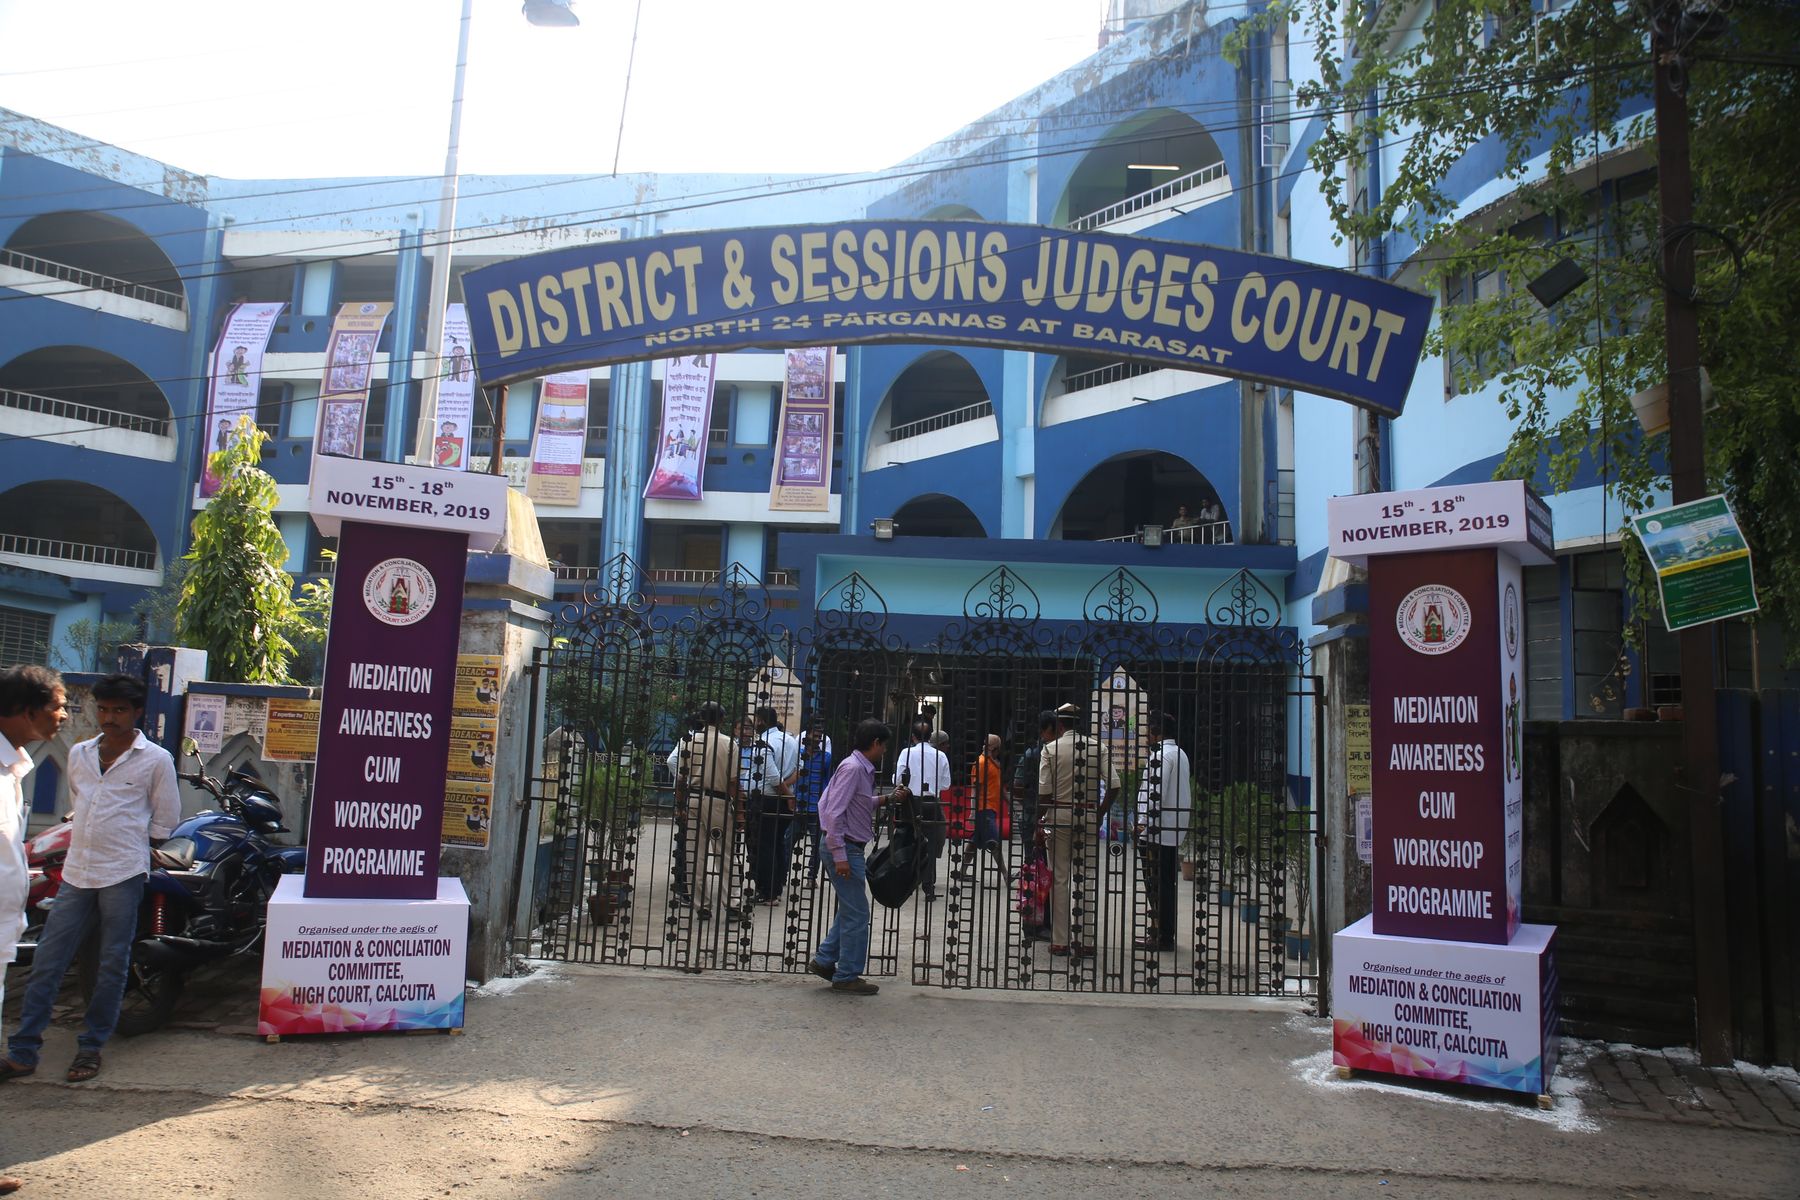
pixel 618 863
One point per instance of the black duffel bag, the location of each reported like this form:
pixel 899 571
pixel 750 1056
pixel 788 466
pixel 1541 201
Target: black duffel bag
pixel 893 871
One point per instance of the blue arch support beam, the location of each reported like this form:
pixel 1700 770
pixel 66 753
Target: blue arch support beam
pixel 1025 287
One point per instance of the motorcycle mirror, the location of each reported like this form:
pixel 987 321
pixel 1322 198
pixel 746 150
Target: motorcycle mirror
pixel 190 748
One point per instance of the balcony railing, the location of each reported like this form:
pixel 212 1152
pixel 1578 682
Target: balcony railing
pixel 956 416
pixel 1110 373
pixel 93 280
pixel 81 552
pixel 88 414
pixel 1163 191
pixel 683 576
pixel 1212 533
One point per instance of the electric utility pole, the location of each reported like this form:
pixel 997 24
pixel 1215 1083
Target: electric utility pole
pixel 1674 31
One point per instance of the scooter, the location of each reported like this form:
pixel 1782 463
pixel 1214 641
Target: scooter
pixel 44 855
pixel 208 892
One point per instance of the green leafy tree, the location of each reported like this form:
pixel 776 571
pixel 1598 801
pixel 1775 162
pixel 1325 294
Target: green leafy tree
pixel 312 620
pixel 90 645
pixel 156 609
pixel 1564 96
pixel 237 603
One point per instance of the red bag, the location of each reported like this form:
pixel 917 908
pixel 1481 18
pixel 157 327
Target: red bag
pixel 1034 891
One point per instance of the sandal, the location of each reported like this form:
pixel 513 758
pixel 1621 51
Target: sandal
pixel 12 1070
pixel 85 1066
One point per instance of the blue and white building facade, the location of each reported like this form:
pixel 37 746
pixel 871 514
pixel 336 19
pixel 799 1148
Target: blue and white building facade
pixel 116 272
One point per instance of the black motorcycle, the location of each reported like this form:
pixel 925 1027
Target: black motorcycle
pixel 208 893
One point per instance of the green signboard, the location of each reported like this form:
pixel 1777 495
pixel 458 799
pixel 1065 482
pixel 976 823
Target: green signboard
pixel 1701 560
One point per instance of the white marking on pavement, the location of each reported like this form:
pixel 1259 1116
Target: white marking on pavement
pixel 1569 1115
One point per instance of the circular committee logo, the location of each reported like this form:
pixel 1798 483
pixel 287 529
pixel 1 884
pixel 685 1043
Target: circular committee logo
pixel 1509 621
pixel 1433 619
pixel 399 591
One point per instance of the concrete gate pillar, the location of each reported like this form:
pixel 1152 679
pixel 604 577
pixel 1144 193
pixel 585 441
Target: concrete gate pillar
pixel 1341 656
pixel 505 612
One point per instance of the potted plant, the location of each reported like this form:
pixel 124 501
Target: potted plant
pixel 1193 846
pixel 613 802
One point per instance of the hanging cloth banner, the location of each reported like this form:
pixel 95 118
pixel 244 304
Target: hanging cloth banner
pixel 802 477
pixel 680 463
pixel 456 394
pixel 557 443
pixel 344 390
pixel 234 378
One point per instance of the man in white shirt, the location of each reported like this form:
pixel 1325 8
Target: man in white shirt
pixel 1165 809
pixel 924 770
pixel 768 797
pixel 32 709
pixel 122 792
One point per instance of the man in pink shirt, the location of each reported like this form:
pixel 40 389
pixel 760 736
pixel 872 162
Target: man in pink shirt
pixel 847 817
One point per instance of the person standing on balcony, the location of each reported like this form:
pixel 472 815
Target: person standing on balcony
pixel 1212 515
pixel 122 792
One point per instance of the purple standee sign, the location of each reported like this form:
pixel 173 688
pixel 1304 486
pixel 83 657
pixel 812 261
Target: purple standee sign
pixel 384 724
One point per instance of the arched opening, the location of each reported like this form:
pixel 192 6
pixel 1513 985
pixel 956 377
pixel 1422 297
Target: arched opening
pixel 938 392
pixel 86 385
pixel 954 212
pixel 1079 372
pixel 937 515
pixel 96 251
pixel 77 523
pixel 1119 497
pixel 1153 159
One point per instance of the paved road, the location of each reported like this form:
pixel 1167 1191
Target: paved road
pixel 582 1081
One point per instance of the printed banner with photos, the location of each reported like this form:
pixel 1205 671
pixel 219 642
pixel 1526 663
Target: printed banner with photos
pixel 680 466
pixel 802 475
pixel 349 365
pixel 450 441
pixel 235 379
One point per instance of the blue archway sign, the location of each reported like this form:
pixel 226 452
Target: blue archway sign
pixel 1024 287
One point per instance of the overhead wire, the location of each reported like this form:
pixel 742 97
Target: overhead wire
pixel 1089 118
pixel 465 235
pixel 603 345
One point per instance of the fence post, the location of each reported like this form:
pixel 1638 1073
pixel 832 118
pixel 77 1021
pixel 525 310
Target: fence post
pixel 505 595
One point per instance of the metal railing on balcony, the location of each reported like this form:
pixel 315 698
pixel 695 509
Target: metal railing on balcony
pixel 944 420
pixel 87 414
pixel 93 280
pixel 685 576
pixel 1110 373
pixel 1150 199
pixel 81 552
pixel 1212 533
